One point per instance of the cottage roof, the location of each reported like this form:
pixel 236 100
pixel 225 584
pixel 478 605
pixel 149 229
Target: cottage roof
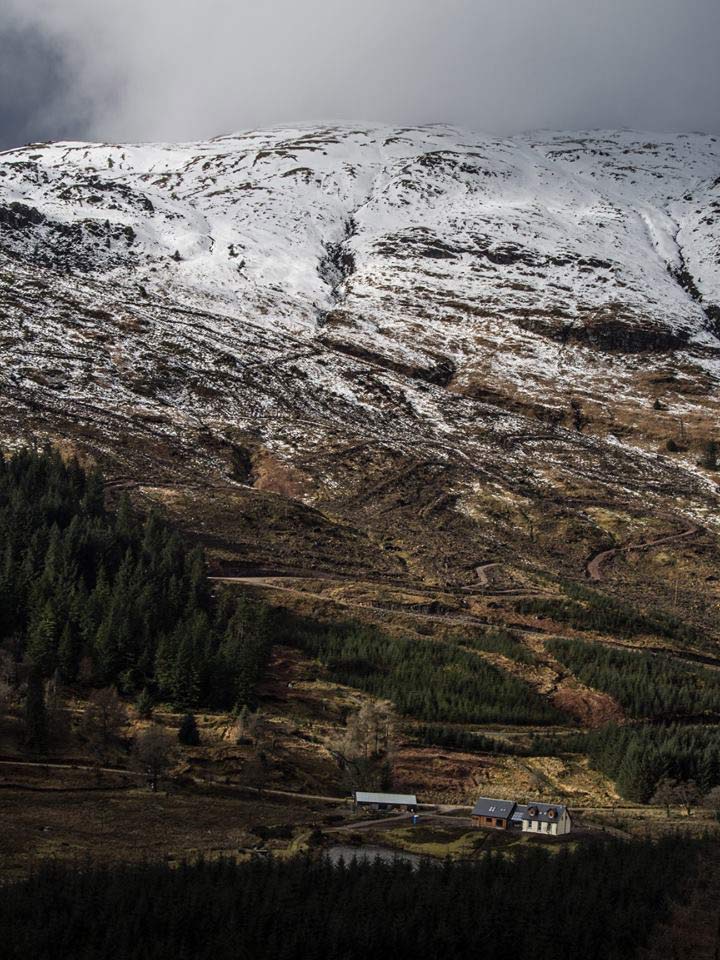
pixel 544 812
pixel 401 799
pixel 487 807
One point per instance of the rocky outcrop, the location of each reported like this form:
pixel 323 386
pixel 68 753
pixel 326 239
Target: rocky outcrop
pixel 610 332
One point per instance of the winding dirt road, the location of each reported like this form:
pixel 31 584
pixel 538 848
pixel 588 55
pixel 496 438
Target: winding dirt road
pixel 594 566
pixel 271 583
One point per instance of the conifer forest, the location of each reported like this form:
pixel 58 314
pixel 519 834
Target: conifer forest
pixel 607 897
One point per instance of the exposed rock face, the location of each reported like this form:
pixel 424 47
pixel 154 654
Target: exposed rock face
pixel 411 320
pixel 18 216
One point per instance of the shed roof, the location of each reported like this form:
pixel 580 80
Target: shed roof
pixel 487 807
pixel 402 799
pixel 544 812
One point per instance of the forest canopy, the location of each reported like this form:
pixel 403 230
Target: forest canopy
pixel 638 756
pixel 598 902
pixel 106 597
pixel 430 680
pixel 646 684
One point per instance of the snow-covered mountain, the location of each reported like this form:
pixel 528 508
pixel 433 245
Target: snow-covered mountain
pixel 349 301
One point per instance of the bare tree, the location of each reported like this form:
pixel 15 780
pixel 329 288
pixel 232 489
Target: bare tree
pixel 250 725
pixel 102 721
pixel 711 801
pixel 57 718
pixel 364 751
pixel 665 794
pixel 688 794
pixel 154 753
pixel 683 793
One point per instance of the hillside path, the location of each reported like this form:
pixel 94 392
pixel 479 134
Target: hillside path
pixel 594 566
pixel 271 584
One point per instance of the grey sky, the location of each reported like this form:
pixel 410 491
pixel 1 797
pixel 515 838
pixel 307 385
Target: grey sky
pixel 183 69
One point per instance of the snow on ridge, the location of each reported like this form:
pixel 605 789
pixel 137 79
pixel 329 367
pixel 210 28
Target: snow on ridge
pixel 428 290
pixel 419 241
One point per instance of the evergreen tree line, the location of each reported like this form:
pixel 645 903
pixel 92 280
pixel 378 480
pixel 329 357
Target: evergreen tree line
pixel 537 745
pixel 456 738
pixel 105 598
pixel 499 641
pixel 427 679
pixel 598 902
pixel 645 684
pixel 638 757
pixel 459 738
pixel 586 609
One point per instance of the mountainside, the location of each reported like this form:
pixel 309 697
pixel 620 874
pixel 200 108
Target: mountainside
pixel 397 352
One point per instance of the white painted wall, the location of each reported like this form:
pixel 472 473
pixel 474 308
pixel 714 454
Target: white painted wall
pixel 556 828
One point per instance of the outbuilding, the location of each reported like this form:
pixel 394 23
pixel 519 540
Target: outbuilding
pixel 386 801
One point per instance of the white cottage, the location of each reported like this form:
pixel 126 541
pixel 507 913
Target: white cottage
pixel 550 818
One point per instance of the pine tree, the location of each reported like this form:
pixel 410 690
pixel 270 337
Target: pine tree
pixel 638 774
pixel 93 503
pixel 67 656
pixel 186 684
pixel 106 654
pixel 152 536
pixel 52 567
pixel 9 600
pixel 198 574
pixel 145 704
pixel 125 524
pixel 36 724
pixel 245 678
pixel 41 646
pixel 188 734
pixel 709 768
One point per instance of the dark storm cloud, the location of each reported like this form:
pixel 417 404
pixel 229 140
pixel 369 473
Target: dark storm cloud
pixel 32 72
pixel 180 69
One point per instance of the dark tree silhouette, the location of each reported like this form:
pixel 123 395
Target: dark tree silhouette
pixel 36 724
pixel 153 754
pixel 188 734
